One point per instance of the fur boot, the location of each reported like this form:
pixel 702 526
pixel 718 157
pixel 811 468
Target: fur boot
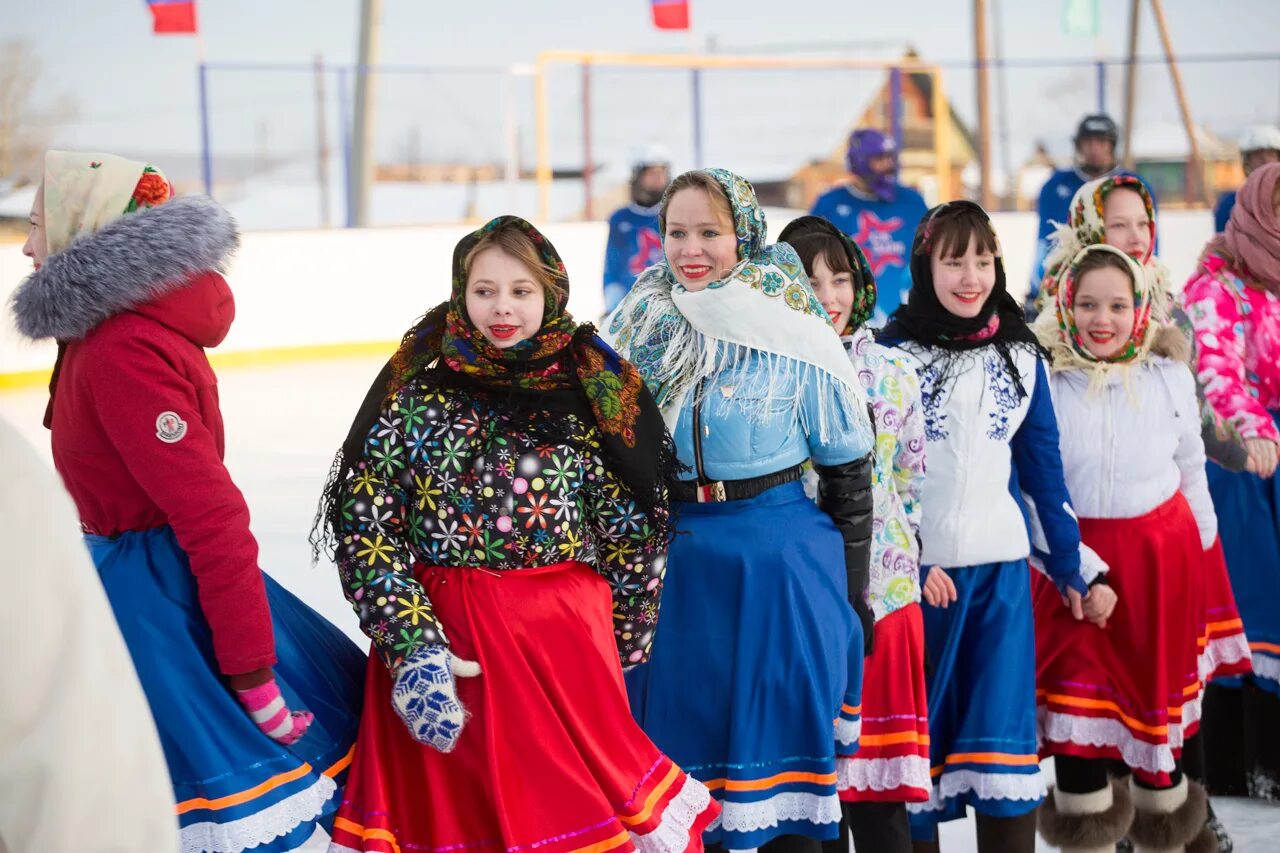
pixel 1086 823
pixel 1168 820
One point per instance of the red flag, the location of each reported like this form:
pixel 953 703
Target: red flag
pixel 670 14
pixel 176 17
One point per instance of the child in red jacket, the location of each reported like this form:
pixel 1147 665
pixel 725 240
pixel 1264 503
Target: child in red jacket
pixel 223 652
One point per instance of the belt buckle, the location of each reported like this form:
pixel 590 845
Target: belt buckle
pixel 711 493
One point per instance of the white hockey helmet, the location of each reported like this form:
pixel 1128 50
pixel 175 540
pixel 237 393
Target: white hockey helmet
pixel 650 155
pixel 1262 137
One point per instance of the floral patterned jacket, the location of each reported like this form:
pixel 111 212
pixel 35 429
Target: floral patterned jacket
pixel 1238 343
pixel 897 479
pixel 449 479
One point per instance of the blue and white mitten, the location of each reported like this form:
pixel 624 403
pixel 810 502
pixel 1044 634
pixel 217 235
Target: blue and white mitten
pixel 426 696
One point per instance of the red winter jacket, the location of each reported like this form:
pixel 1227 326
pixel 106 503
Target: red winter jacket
pixel 138 438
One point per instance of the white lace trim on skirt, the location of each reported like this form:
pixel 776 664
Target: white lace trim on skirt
pixel 260 827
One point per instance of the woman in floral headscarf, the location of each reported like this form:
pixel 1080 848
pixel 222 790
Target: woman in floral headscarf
pixel 129 282
pixel 1233 299
pixel 762 630
pixel 499 512
pixel 1118 211
pixel 1135 466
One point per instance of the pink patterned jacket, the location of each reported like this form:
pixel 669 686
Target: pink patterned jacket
pixel 1238 340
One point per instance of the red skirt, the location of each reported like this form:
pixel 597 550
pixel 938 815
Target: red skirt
pixel 1129 692
pixel 1224 649
pixel 550 758
pixel 892 761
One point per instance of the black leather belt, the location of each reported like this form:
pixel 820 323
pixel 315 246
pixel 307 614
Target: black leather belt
pixel 692 491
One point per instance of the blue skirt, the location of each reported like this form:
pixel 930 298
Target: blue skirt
pixel 982 698
pixel 1248 509
pixel 235 787
pixel 755 650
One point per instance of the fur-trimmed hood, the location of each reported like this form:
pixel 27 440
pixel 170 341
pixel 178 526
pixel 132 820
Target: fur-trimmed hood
pixel 129 263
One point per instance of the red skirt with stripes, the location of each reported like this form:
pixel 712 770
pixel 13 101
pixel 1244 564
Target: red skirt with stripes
pixel 892 761
pixel 550 759
pixel 1129 691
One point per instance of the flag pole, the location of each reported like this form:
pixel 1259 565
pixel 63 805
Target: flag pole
pixel 695 93
pixel 202 91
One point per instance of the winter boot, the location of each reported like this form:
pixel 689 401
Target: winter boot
pixel 1086 823
pixel 1171 820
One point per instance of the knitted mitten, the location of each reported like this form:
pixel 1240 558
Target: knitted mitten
pixel 426 696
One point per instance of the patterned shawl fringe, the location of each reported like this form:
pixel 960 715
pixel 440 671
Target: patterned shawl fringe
pixel 676 359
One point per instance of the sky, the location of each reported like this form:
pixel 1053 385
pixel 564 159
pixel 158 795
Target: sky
pixel 136 93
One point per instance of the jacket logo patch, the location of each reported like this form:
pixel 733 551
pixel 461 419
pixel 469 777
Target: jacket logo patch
pixel 170 428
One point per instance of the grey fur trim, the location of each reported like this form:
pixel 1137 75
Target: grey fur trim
pixel 1205 842
pixel 1087 830
pixel 1173 830
pixel 129 261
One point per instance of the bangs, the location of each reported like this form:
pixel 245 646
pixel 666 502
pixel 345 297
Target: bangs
pixel 952 231
pixel 829 247
pixel 520 246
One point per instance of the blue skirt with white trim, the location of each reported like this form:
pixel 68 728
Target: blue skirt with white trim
pixel 757 652
pixel 235 787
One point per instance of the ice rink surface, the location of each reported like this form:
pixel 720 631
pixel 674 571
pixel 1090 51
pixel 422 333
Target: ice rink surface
pixel 283 425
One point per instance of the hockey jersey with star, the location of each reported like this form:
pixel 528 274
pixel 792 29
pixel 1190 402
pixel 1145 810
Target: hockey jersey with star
pixel 634 245
pixel 884 231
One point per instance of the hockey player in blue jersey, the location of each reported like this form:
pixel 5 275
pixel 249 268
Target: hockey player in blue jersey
pixel 1095 143
pixel 878 213
pixel 635 243
pixel 1259 146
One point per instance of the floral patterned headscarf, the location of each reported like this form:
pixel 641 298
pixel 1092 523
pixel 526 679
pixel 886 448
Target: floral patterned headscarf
pixel 564 366
pixel 1066 343
pixel 1085 227
pixel 84 191
pixel 765 304
pixel 864 282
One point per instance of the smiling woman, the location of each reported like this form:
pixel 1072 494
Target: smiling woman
pixel 766 584
pixel 988 421
pixel 697 225
pixel 507 286
pixel 500 519
pixel 1135 468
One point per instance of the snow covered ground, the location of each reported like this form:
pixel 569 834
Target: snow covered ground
pixel 283 425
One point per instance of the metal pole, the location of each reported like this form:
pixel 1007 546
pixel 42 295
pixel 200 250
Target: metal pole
pixel 348 172
pixel 1196 162
pixel 1102 86
pixel 697 117
pixel 984 107
pixel 588 162
pixel 206 155
pixel 1131 82
pixel 370 24
pixel 322 143
pixel 511 170
pixel 1002 105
